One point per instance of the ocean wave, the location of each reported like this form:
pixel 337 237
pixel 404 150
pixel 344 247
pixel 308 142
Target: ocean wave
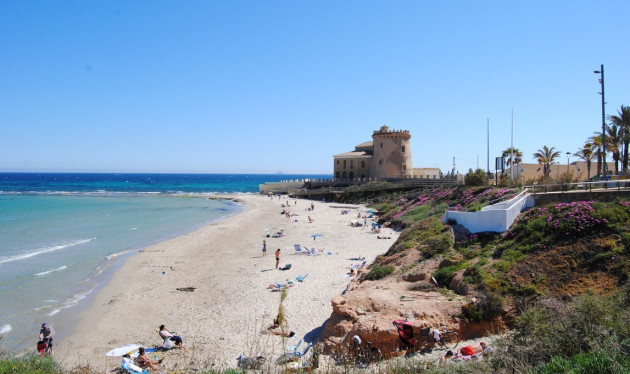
pixel 51 271
pixel 43 250
pixel 72 301
pixel 4 329
pixel 114 255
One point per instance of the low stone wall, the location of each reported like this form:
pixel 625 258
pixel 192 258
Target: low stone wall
pixel 571 196
pixel 280 187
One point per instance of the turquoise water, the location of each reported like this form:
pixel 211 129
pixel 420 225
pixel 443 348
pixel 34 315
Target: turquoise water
pixel 62 235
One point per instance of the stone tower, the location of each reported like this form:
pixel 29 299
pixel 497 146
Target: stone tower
pixel 392 154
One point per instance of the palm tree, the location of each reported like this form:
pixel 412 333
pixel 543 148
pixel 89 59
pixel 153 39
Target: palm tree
pixel 596 141
pixel 587 153
pixel 623 121
pixel 511 153
pixel 545 157
pixel 516 154
pixel 613 144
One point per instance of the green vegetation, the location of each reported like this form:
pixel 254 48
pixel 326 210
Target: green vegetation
pixel 379 272
pixel 32 364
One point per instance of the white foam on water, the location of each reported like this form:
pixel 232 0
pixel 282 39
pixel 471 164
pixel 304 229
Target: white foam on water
pixel 40 251
pixel 114 255
pixel 51 271
pixel 72 301
pixel 6 328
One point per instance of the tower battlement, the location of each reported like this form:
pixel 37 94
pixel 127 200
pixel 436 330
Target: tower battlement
pixel 385 132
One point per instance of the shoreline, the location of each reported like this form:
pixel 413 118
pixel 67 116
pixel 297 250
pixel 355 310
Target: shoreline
pixel 65 319
pixel 231 304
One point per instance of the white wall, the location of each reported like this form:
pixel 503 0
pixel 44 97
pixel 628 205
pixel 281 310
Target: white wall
pixel 495 218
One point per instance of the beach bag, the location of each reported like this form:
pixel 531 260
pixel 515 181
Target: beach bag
pixel 41 346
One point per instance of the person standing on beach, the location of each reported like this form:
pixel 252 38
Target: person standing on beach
pixel 264 247
pixel 46 335
pixel 277 258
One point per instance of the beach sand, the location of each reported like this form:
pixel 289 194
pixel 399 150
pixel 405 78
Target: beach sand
pixel 231 305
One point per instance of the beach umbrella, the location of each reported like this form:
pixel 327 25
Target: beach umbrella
pixel 127 348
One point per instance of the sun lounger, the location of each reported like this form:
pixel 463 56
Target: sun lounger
pixel 358 266
pixel 294 354
pixel 314 251
pixel 299 250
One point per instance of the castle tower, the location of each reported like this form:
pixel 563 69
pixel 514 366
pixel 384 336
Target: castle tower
pixel 392 154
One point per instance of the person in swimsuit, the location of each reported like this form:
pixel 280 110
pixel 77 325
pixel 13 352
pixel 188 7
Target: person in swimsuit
pixel 264 247
pixel 277 258
pixel 144 362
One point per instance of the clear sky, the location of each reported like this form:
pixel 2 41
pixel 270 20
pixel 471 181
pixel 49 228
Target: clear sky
pixel 265 86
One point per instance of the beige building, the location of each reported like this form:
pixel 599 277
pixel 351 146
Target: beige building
pixel 388 155
pixel 528 172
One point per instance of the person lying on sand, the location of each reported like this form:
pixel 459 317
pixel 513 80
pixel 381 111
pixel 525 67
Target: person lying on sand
pixel 286 334
pixel 357 259
pixel 383 237
pixel 470 350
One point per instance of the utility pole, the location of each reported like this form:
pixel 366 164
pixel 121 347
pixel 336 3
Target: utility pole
pixel 488 143
pixel 601 81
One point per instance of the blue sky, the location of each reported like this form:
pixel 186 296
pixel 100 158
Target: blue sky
pixel 266 86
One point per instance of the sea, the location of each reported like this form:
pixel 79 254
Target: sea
pixel 63 235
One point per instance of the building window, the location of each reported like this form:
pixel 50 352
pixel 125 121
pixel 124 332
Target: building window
pixel 351 164
pixel 380 162
pixel 381 145
pixel 337 162
pixel 403 149
pixel 344 164
pixel 404 167
pixel 362 165
pixel 337 175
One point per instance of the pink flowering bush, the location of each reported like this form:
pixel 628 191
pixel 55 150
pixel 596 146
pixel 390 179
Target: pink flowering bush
pixel 562 219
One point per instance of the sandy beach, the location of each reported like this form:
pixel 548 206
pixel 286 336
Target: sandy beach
pixel 231 304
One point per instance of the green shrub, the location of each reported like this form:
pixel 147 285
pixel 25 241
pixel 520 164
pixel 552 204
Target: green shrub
pixel 476 178
pixel 379 272
pixel 604 362
pixel 32 364
pixel 444 274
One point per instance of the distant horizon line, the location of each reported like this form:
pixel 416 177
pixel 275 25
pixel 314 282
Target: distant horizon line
pixel 158 172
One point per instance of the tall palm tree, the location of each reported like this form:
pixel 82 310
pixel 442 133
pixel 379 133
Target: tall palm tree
pixel 513 156
pixel 545 157
pixel 596 141
pixel 613 144
pixel 587 153
pixel 623 121
pixel 516 154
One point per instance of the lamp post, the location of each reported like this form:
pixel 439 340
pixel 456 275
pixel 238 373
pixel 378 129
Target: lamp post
pixel 601 81
pixel 568 153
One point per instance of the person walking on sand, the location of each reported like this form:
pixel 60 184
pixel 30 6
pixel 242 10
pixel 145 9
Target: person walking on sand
pixel 277 258
pixel 264 247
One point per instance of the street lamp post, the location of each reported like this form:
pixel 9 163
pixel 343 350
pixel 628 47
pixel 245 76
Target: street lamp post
pixel 601 81
pixel 568 153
